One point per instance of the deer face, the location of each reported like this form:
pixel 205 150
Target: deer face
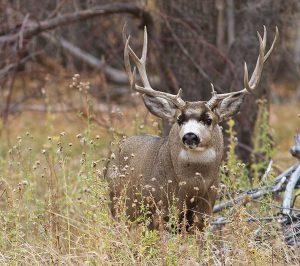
pixel 196 123
pixel 196 120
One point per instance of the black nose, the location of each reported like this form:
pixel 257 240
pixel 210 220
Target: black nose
pixel 190 139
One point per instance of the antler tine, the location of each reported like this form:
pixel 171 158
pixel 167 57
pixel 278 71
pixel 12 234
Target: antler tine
pixel 272 46
pixel 141 62
pixel 255 77
pixel 141 66
pixel 127 63
pixel 250 85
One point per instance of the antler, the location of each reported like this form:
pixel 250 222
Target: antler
pixel 249 85
pixel 141 66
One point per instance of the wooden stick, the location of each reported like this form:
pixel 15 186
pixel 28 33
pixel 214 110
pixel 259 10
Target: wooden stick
pixel 287 199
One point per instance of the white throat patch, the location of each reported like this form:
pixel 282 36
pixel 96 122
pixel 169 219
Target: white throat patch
pixel 198 156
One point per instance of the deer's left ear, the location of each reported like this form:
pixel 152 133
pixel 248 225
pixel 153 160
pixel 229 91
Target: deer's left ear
pixel 229 106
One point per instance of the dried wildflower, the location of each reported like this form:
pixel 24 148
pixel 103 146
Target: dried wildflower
pixel 82 141
pixel 24 182
pixel 76 77
pixel 182 183
pixel 213 187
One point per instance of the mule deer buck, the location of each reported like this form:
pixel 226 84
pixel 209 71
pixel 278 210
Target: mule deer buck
pixel 182 168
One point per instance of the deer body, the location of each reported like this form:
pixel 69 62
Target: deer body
pixel 169 170
pixel 181 169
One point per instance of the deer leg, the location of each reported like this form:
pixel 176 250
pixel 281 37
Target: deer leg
pixel 203 210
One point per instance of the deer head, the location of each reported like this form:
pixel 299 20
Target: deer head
pixel 197 119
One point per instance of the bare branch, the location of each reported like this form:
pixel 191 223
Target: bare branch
pixel 112 74
pixel 287 200
pixel 35 28
pixel 5 70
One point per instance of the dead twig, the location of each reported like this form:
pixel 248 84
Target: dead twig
pixel 269 168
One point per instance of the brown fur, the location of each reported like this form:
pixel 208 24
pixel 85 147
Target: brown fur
pixel 151 166
pixel 182 168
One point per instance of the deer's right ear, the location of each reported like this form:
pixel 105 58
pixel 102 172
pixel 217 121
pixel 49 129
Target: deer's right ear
pixel 160 107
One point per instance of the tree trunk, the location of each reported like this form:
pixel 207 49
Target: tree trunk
pixel 208 41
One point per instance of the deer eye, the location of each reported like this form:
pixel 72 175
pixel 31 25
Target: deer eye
pixel 180 120
pixel 208 121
